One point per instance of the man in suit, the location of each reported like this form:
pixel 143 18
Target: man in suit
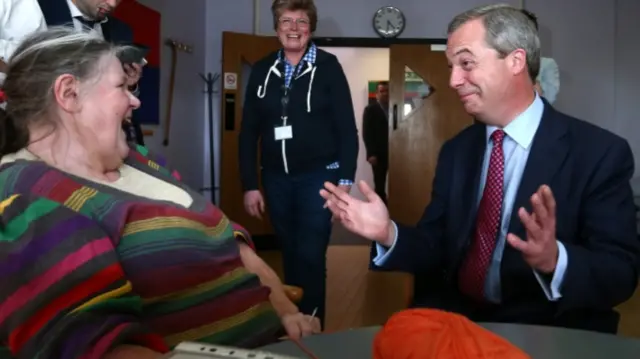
pixel 95 15
pixel 531 218
pixel 375 133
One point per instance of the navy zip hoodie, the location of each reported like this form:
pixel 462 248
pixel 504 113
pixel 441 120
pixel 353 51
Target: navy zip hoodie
pixel 320 111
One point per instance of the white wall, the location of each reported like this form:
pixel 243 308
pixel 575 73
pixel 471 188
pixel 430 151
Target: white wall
pixel 186 151
pixel 362 65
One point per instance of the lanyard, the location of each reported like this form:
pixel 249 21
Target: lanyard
pixel 287 89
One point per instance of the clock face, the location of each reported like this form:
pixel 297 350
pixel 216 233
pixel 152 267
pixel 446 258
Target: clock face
pixel 388 21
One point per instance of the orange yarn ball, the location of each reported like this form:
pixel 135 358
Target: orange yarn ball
pixel 435 334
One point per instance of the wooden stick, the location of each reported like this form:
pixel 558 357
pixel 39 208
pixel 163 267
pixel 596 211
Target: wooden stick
pixel 175 46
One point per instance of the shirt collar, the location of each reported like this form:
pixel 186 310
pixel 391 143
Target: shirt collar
pixel 309 56
pixel 75 12
pixel 524 126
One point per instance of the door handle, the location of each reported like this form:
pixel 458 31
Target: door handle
pixel 395 116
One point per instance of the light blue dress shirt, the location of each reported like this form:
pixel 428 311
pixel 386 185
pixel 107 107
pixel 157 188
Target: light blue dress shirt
pixel 516 147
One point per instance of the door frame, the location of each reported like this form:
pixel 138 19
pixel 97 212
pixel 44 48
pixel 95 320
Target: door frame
pixel 366 42
pixel 269 242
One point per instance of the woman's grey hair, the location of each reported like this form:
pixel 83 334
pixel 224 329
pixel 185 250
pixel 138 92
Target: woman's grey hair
pixel 32 72
pixel 508 29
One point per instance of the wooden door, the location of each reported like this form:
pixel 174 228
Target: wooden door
pixel 239 53
pixel 425 112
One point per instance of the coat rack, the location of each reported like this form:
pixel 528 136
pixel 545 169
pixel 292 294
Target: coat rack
pixel 175 47
pixel 210 80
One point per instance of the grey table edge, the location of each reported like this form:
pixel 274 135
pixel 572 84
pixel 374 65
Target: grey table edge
pixel 538 341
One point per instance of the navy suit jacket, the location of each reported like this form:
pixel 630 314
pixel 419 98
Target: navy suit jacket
pixel 56 12
pixel 588 170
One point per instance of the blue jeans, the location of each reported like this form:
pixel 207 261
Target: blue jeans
pixel 303 228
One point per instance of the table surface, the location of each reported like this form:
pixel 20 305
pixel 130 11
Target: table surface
pixel 537 341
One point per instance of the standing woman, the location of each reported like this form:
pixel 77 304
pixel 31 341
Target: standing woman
pixel 298 106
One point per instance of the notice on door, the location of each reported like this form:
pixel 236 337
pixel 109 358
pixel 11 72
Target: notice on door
pixel 230 81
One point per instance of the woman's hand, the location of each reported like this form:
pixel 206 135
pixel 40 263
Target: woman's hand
pixel 254 203
pixel 299 325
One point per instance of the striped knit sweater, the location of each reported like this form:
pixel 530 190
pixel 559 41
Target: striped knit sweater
pixel 85 267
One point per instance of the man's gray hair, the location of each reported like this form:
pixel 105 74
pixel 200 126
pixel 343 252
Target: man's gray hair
pixel 508 29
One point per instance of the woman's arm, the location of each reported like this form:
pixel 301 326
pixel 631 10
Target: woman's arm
pixel 63 292
pixel 254 264
pixel 296 324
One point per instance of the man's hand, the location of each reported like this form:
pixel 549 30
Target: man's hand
pixel 373 160
pixel 299 325
pixel 368 218
pixel 540 250
pixel 134 72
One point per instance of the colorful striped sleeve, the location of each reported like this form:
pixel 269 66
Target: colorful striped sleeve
pixel 63 292
pixel 240 233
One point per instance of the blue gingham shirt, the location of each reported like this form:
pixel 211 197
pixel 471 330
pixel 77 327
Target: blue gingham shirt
pixel 289 72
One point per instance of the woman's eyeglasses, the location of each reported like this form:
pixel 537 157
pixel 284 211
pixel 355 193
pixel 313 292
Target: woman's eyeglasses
pixel 287 23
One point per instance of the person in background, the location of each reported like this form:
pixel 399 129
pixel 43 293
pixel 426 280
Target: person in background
pixel 531 218
pixel 375 133
pixel 18 18
pixel 298 106
pixel 548 81
pixel 94 15
pixel 104 251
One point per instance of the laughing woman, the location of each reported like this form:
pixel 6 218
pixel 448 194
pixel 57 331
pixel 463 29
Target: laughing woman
pixel 104 253
pixel 298 106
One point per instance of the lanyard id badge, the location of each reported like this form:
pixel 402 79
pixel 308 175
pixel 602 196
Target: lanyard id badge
pixel 285 131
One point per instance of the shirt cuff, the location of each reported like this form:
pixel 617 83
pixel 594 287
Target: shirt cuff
pixel 345 182
pixel 552 291
pixel 382 253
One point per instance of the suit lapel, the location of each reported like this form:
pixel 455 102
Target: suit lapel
pixel 470 172
pixel 548 152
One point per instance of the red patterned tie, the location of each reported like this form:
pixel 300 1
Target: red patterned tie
pixel 474 269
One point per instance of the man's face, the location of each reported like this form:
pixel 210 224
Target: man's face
pixel 480 77
pixel 383 94
pixel 96 9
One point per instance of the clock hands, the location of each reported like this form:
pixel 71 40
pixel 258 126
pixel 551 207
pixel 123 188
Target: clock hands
pixel 390 26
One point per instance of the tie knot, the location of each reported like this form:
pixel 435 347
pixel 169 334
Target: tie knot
pixel 497 136
pixel 86 22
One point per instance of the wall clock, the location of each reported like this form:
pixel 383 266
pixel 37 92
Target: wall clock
pixel 389 22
